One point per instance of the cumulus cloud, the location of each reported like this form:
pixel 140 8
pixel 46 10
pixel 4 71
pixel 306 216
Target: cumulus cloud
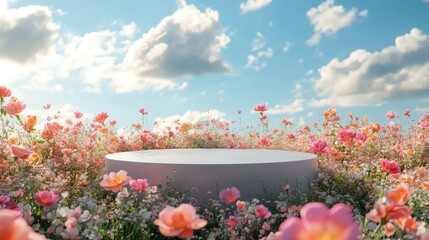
pixel 189 117
pixel 328 18
pixel 253 5
pixel 256 60
pixel 294 107
pixel 25 32
pixel 187 43
pixel 395 72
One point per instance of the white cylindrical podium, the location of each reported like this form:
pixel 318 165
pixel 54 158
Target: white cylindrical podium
pixel 211 170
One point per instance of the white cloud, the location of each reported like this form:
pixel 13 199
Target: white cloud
pixel 363 13
pixel 253 5
pixel 287 46
pixel 328 18
pixel 129 30
pixel 294 107
pixel 256 60
pixel 395 72
pixel 301 121
pixel 298 90
pixel 422 111
pixel 426 1
pixel 26 33
pixel 189 117
pixel 187 43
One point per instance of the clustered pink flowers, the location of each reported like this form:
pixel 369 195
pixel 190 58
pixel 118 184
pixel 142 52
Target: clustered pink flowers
pixel 395 214
pixel 49 169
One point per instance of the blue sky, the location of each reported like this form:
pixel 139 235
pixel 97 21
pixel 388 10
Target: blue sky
pixel 196 60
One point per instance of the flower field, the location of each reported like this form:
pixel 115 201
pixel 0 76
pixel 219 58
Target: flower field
pixel 372 183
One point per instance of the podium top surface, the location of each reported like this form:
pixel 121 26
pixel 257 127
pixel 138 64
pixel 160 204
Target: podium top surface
pixel 211 156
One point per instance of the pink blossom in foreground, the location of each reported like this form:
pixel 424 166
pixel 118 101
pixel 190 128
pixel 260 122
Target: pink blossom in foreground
pixel 47 198
pixel 390 167
pixel 4 92
pixel 115 181
pixel 14 107
pixel 262 212
pixel 260 108
pixel 319 146
pixel 139 185
pixel 20 151
pixel 229 195
pixel 319 222
pixel 179 222
pixel 14 227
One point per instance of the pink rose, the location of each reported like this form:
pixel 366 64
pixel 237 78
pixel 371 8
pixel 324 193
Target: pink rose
pixel 390 167
pixel 180 221
pixel 139 185
pixel 47 198
pixel 229 195
pixel 115 181
pixel 318 146
pixel 262 212
pixel 14 107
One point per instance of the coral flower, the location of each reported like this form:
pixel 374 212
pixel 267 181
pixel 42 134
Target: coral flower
pixel 4 92
pixel 115 181
pixel 260 108
pixel 47 198
pixel 346 136
pixel 14 107
pixel 398 196
pixel 29 123
pixel 20 151
pixel 318 146
pixel 101 117
pixel 139 185
pixel 262 212
pixel 319 222
pixel 231 221
pixel 229 195
pixel 180 221
pixel 390 167
pixel 14 227
pixel 240 204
